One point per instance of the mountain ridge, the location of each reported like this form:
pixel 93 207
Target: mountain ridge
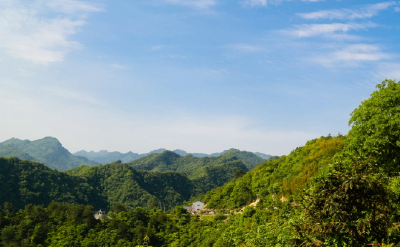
pixel 47 150
pixel 105 157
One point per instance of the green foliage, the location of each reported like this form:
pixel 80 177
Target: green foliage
pixel 251 160
pixel 349 205
pixel 120 183
pixel 210 177
pixel 284 176
pixel 375 128
pixel 27 182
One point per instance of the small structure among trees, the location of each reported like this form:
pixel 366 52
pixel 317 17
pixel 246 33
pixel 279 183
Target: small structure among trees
pixel 99 214
pixel 196 207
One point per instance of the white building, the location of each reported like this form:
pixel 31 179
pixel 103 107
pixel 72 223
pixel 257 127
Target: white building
pixel 99 214
pixel 197 206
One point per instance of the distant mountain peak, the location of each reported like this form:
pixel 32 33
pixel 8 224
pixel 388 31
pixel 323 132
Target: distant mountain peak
pixel 47 150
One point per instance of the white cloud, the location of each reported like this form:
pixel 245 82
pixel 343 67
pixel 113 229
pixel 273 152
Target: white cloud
pixel 175 56
pixel 157 47
pixel 71 6
pixel 244 48
pixel 361 52
pixel 353 55
pixel 262 3
pixel 366 11
pixel 28 32
pixel 199 4
pixel 310 30
pixel 254 3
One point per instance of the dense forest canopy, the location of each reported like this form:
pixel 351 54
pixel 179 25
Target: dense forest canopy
pixel 333 191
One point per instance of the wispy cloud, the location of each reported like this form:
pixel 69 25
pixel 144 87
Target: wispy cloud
pixel 244 48
pixel 199 4
pixel 310 30
pixel 71 6
pixel 361 52
pixel 157 47
pixel 254 3
pixel 353 54
pixel 366 11
pixel 29 32
pixel 118 66
pixel 175 56
pixel 263 3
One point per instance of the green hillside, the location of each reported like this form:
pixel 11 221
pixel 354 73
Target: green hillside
pixel 285 176
pixel 188 164
pixel 251 160
pixel 27 182
pixel 120 183
pixel 213 176
pixel 47 150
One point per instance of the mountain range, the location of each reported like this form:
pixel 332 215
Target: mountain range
pixel 160 178
pixel 51 152
pixel 105 157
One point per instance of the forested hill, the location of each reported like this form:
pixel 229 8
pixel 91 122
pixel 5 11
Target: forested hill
pixel 47 150
pixel 284 176
pixel 105 157
pixel 120 183
pixel 171 161
pixel 27 182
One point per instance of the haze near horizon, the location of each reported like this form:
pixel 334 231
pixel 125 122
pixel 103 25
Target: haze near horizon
pixel 201 75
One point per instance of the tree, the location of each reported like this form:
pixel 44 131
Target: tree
pixel 239 173
pixel 375 128
pixel 349 205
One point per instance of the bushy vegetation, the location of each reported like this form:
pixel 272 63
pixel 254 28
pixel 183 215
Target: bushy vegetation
pixel 285 176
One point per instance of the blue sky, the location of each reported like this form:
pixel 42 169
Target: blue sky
pixel 198 75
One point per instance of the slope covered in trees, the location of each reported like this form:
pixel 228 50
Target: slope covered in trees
pixel 284 176
pixel 27 182
pixel 122 184
pixel 171 161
